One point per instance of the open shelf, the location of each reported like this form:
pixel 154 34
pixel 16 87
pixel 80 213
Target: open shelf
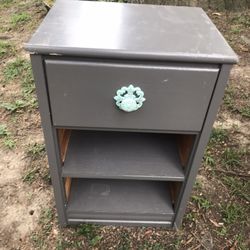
pixel 123 155
pixel 95 199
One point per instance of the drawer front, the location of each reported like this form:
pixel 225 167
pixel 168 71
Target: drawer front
pixel 82 95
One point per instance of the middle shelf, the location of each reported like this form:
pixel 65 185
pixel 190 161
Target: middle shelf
pixel 126 155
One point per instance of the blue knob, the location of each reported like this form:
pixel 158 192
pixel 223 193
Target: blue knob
pixel 129 98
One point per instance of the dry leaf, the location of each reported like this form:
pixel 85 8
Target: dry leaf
pixel 215 223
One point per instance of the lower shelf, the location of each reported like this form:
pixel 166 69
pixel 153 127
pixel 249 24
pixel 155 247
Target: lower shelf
pixel 94 200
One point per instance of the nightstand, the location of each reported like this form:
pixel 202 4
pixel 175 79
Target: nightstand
pixel 128 95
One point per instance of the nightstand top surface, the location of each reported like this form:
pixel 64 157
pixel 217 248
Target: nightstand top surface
pixel 130 31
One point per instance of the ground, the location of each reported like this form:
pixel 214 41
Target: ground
pixel 217 215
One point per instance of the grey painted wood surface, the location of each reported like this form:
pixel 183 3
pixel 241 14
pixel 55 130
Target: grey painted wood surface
pixel 76 91
pixel 99 29
pixel 81 94
pixel 121 155
pixel 119 199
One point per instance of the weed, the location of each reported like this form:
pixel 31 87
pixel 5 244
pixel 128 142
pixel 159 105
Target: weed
pixel 245 111
pixel 9 143
pixel 238 187
pixel 30 177
pixel 5 47
pixel 89 231
pixel 202 202
pixel 151 246
pixel 19 19
pixel 191 216
pixel 35 150
pixel 232 157
pixel 232 213
pixel 37 240
pixel 15 106
pixel 240 242
pixel 208 159
pixel 125 241
pixel 46 220
pixel 198 185
pixel 229 98
pixel 222 231
pixel 218 135
pixel 3 130
pixel 15 69
pixel 62 244
pixel 6 3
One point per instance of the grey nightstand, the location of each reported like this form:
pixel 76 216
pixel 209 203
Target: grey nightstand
pixel 133 159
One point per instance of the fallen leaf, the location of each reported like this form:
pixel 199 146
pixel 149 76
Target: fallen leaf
pixel 216 14
pixel 215 223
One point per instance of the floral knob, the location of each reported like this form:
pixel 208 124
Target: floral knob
pixel 129 98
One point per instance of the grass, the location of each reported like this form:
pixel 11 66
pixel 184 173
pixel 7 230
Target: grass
pixel 20 69
pixel 89 231
pixel 232 213
pixel 245 111
pixel 9 143
pixel 208 158
pixel 202 202
pixel 232 157
pixel 151 246
pixel 39 240
pixel 16 69
pixel 238 187
pixel 7 139
pixel 218 135
pixel 30 177
pixel 5 49
pixel 6 3
pixel 125 242
pixel 3 130
pixel 20 19
pixel 15 106
pixel 36 150
pixel 230 101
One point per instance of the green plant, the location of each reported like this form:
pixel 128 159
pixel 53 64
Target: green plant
pixel 229 98
pixel 238 187
pixel 245 111
pixel 16 69
pixel 9 143
pixel 19 18
pixel 124 242
pixel 218 135
pixel 151 246
pixel 90 232
pixel 208 159
pixel 46 220
pixel 232 213
pixel 5 47
pixel 232 157
pixel 3 130
pixel 202 202
pixel 15 106
pixel 30 177
pixel 36 150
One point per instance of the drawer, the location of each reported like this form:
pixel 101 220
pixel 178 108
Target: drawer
pixel 82 94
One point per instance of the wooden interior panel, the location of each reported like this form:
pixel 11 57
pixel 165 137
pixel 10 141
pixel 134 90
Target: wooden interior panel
pixel 174 188
pixel 185 145
pixel 67 186
pixel 63 137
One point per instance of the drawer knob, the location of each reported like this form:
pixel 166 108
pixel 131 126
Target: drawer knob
pixel 129 98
